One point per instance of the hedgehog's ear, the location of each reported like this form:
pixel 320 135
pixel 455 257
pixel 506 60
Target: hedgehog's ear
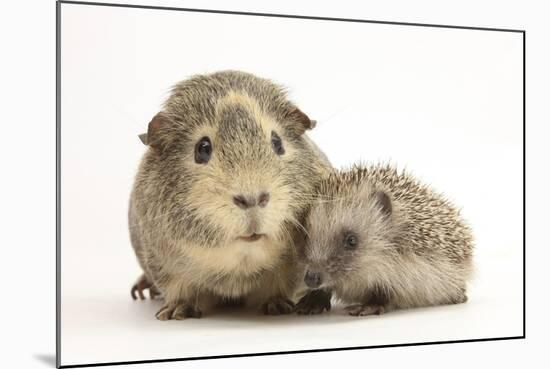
pixel 155 132
pixel 300 121
pixel 384 202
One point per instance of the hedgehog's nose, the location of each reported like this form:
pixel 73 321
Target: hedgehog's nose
pixel 313 279
pixel 249 201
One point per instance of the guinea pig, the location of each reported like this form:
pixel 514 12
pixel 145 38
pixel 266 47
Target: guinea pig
pixel 379 240
pixel 218 201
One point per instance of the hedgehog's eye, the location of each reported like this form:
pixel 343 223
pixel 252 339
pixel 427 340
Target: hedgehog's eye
pixel 350 241
pixel 277 143
pixel 203 150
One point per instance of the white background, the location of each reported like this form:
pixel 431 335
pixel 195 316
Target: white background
pixel 445 103
pixel 30 189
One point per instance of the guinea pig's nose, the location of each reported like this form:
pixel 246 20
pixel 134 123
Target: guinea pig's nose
pixel 313 279
pixel 245 202
pixel 263 199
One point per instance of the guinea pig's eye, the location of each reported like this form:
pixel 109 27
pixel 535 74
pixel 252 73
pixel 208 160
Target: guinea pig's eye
pixel 277 143
pixel 350 242
pixel 203 150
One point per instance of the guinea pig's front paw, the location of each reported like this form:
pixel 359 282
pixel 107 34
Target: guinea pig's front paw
pixel 363 310
pixel 178 311
pixel 278 306
pixel 314 302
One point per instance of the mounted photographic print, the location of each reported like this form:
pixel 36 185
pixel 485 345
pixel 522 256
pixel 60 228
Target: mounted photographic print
pixel 238 184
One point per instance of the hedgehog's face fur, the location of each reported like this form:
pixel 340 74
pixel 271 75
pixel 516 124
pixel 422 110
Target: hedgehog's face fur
pixel 232 162
pixel 349 225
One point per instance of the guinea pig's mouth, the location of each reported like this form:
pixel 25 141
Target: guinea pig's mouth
pixel 253 237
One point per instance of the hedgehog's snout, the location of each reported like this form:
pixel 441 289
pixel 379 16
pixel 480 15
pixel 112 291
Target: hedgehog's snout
pixel 313 279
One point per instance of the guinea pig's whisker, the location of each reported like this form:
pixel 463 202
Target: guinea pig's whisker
pixel 336 113
pixel 296 223
pixel 149 220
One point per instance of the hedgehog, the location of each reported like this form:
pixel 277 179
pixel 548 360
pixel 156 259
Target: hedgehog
pixel 379 240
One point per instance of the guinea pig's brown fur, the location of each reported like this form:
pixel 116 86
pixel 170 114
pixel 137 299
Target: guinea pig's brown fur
pixel 222 222
pixel 379 240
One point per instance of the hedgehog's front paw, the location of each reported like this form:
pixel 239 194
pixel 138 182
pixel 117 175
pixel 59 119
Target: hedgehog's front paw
pixel 178 311
pixel 314 302
pixel 363 310
pixel 278 306
pixel 142 284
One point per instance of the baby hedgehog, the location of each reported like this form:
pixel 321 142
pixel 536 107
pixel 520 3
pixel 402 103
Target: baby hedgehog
pixel 379 240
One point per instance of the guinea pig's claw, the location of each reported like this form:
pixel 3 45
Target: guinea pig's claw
pixel 278 306
pixel 178 311
pixel 141 285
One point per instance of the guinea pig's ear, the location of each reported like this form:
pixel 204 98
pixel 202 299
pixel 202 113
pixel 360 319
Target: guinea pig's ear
pixel 384 202
pixel 154 132
pixel 299 120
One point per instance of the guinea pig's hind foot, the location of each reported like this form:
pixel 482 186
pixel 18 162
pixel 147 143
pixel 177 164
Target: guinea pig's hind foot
pixel 141 285
pixel 314 302
pixel 364 310
pixel 460 299
pixel 278 306
pixel 178 311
